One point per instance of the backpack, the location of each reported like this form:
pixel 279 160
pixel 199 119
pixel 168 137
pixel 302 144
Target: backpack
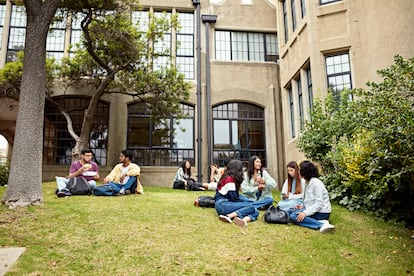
pixel 78 186
pixel 276 215
pixel 104 190
pixel 206 201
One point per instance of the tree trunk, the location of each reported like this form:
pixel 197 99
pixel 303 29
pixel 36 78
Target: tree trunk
pixel 88 117
pixel 25 179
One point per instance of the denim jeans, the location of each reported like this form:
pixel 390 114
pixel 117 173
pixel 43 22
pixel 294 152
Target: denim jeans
pixel 290 204
pixel 242 208
pixel 62 182
pixel 117 186
pixel 258 203
pixel 309 221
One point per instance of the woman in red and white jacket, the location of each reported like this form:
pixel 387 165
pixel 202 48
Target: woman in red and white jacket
pixel 229 206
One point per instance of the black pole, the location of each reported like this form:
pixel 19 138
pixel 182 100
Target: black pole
pixel 207 19
pixel 196 3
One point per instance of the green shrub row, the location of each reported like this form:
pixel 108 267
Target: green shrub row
pixel 363 139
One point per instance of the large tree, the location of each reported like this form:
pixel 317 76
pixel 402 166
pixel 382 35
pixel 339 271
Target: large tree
pixel 24 185
pixel 117 58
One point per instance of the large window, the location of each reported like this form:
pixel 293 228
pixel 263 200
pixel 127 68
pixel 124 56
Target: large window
pixel 165 143
pixel 246 46
pixel 75 32
pixel 338 72
pixel 17 33
pixel 185 45
pixel 184 55
pixel 55 43
pixel 238 132
pixel 57 141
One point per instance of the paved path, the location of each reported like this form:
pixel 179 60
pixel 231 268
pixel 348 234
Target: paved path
pixel 8 256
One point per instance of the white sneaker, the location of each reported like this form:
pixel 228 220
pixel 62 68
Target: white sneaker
pixel 326 227
pixel 122 191
pixel 225 219
pixel 323 221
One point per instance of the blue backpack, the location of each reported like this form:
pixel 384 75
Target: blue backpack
pixel 104 190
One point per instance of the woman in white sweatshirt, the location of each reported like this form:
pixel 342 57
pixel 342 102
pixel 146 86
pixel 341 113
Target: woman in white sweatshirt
pixel 317 208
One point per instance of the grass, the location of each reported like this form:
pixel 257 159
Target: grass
pixel 162 233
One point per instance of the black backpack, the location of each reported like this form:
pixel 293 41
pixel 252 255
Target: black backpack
pixel 78 186
pixel 276 215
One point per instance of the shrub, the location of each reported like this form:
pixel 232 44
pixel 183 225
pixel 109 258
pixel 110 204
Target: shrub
pixel 366 146
pixel 4 173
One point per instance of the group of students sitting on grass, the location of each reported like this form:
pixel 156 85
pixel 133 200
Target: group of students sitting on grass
pixel 241 194
pixel 122 180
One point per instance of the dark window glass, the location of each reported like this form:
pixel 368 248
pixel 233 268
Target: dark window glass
pixel 300 102
pixel 310 89
pixel 303 8
pixel 292 113
pixel 285 21
pixel 238 132
pixel 167 143
pixel 293 12
pixel 57 141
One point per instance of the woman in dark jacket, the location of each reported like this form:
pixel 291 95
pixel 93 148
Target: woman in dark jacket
pixel 229 206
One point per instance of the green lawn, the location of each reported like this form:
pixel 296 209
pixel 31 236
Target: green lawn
pixel 162 233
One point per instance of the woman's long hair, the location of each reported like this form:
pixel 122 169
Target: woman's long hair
pixel 234 170
pixel 185 170
pixel 294 165
pixel 250 166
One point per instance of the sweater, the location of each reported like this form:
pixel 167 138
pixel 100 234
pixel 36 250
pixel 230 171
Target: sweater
pixel 115 174
pixel 250 188
pixel 316 199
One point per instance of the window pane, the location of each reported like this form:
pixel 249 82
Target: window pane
pixel 256 47
pixel 183 137
pixel 223 49
pixel 140 19
pixel 221 134
pixel 185 65
pixel 239 46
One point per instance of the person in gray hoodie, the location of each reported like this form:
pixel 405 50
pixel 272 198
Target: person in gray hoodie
pixel 317 207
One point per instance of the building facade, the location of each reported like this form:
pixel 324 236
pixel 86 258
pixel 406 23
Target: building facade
pixel 255 66
pixel 335 44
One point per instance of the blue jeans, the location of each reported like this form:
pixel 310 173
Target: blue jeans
pixel 290 204
pixel 117 186
pixel 258 203
pixel 309 221
pixel 241 208
pixel 62 182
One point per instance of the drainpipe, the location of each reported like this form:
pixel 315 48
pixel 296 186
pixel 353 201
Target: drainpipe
pixel 196 3
pixel 207 19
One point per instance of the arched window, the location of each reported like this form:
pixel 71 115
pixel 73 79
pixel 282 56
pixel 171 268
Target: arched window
pixel 57 141
pixel 238 132
pixel 167 143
